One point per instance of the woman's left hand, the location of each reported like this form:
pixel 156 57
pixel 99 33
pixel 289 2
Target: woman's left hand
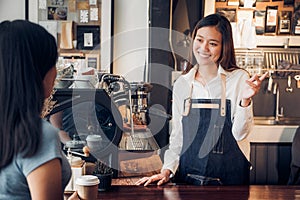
pixel 253 86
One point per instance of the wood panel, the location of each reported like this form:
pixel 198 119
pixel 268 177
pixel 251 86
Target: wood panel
pixel 284 157
pixel 178 192
pixel 272 159
pixel 261 164
pixel 271 163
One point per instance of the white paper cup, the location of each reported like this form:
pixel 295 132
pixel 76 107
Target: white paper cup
pixel 94 141
pixel 87 187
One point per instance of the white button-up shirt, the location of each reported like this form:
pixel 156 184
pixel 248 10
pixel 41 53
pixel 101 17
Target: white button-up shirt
pixel 242 117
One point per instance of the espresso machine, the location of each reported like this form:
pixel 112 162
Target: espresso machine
pixel 131 98
pixel 139 99
pixel 132 94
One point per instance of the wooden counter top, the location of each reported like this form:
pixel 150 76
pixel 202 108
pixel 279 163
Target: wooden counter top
pixel 133 169
pixel 181 192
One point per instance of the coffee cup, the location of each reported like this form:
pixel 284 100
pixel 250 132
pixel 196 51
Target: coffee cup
pixel 87 187
pixel 94 142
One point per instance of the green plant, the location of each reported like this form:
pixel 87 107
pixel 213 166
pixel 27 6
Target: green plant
pixel 102 168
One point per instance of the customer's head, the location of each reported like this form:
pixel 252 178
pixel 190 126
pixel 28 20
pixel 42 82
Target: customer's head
pixel 222 25
pixel 28 54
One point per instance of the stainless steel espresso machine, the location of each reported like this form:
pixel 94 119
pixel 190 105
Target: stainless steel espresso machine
pixel 131 98
pixel 132 94
pixel 139 97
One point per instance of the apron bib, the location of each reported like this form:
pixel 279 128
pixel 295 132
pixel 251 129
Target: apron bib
pixel 210 154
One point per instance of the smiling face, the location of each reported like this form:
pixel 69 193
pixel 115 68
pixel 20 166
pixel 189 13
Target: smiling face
pixel 207 45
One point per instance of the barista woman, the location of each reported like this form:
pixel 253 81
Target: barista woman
pixel 212 113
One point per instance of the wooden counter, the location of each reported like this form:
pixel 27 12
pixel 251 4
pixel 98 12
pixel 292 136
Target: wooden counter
pixel 180 192
pixel 271 153
pixel 124 188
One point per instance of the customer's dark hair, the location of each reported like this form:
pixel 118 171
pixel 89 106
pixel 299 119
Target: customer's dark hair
pixel 222 24
pixel 27 53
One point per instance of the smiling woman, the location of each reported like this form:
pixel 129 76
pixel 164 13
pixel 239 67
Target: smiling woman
pixel 207 146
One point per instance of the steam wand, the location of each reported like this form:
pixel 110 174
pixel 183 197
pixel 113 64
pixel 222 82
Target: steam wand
pixel 85 149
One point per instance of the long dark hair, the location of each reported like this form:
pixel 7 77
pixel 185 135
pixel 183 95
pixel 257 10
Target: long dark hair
pixel 222 24
pixel 27 53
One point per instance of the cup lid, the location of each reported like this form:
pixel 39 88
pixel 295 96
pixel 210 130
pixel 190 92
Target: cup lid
pixel 87 180
pixel 93 138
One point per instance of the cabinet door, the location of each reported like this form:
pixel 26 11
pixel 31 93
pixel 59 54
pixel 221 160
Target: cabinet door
pixel 270 163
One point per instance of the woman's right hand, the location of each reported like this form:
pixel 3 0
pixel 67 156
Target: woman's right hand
pixel 162 178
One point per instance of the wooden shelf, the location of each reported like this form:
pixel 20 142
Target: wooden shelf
pixel 263 40
pixel 277 40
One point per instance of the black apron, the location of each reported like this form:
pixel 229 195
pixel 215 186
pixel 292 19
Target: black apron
pixel 210 154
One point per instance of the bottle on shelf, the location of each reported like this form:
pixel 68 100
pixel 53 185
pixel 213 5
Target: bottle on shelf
pixel 284 22
pixel 296 21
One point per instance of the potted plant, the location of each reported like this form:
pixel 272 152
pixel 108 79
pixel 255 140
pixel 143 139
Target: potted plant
pixel 104 173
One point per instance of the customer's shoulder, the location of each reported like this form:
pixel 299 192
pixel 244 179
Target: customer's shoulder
pixel 49 131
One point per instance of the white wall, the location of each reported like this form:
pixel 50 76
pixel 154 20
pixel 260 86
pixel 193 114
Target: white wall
pixel 33 10
pixel 131 38
pixel 209 7
pixel 12 9
pixel 106 35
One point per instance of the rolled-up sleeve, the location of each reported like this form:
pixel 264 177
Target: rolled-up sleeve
pixel 243 122
pixel 242 118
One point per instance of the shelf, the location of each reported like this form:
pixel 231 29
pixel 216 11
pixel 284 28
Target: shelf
pixel 262 40
pixel 277 40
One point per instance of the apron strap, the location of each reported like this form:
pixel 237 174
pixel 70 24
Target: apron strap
pixel 223 95
pixel 187 103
